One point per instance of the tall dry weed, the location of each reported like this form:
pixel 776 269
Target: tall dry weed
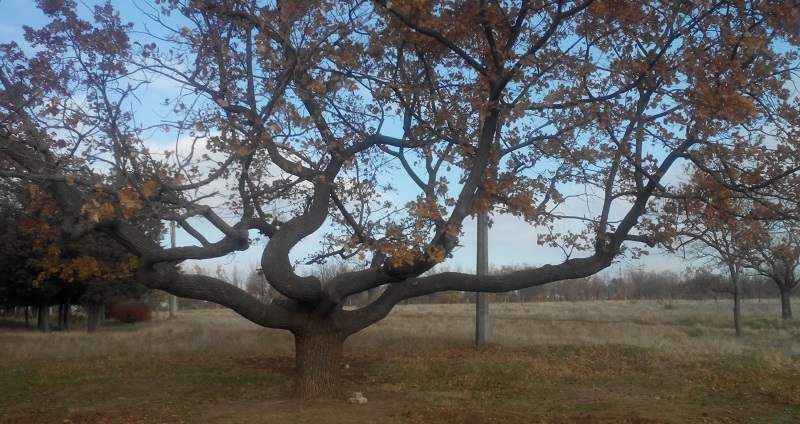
pixel 685 327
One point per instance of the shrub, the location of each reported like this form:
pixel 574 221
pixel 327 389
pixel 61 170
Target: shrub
pixel 129 312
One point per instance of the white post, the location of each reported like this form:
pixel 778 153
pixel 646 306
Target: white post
pixel 173 300
pixel 482 329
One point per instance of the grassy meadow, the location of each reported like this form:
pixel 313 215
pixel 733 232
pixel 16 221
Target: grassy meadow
pixel 561 362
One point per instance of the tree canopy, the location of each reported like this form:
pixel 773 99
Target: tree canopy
pixel 378 127
pixel 741 229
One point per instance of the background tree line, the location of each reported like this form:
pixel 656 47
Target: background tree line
pixel 21 297
pixel 29 291
pixel 691 283
pixel 634 284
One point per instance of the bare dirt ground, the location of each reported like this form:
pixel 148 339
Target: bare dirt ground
pixel 213 368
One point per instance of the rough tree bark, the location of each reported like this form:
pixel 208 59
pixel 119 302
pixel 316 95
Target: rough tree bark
pixel 736 291
pixel 44 315
pixel 737 308
pixel 318 359
pixel 93 313
pixel 60 324
pixel 67 307
pixel 786 302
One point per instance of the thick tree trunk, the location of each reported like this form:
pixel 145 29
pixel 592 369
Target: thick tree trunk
pixel 67 307
pixel 737 313
pixel 93 316
pixel 60 325
pixel 786 303
pixel 737 298
pixel 318 365
pixel 44 316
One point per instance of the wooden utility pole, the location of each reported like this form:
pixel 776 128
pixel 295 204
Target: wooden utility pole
pixel 173 300
pixel 482 329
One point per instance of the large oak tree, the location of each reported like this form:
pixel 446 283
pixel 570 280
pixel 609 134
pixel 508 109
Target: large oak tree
pixel 379 127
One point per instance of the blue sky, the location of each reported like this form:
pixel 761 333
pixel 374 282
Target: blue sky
pixel 511 241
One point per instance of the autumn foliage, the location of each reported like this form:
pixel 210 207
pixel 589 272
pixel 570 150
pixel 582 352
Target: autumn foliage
pixel 79 260
pixel 375 130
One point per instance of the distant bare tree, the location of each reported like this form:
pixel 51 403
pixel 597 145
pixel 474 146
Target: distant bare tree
pixel 257 285
pixel 776 256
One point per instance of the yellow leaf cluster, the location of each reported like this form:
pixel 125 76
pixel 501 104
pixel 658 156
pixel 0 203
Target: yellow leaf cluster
pixel 128 267
pixel 399 254
pixel 129 202
pixel 722 102
pixel 425 208
pixel 149 188
pixel 316 87
pixel 95 210
pixel 452 231
pixel 38 213
pixel 482 204
pixel 83 268
pixel 437 254
pixel 522 203
pixel 621 10
pixel 50 264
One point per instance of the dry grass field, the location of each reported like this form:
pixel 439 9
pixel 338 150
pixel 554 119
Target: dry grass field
pixel 585 362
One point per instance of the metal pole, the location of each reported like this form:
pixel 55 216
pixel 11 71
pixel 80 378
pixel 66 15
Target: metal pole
pixel 173 300
pixel 482 329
